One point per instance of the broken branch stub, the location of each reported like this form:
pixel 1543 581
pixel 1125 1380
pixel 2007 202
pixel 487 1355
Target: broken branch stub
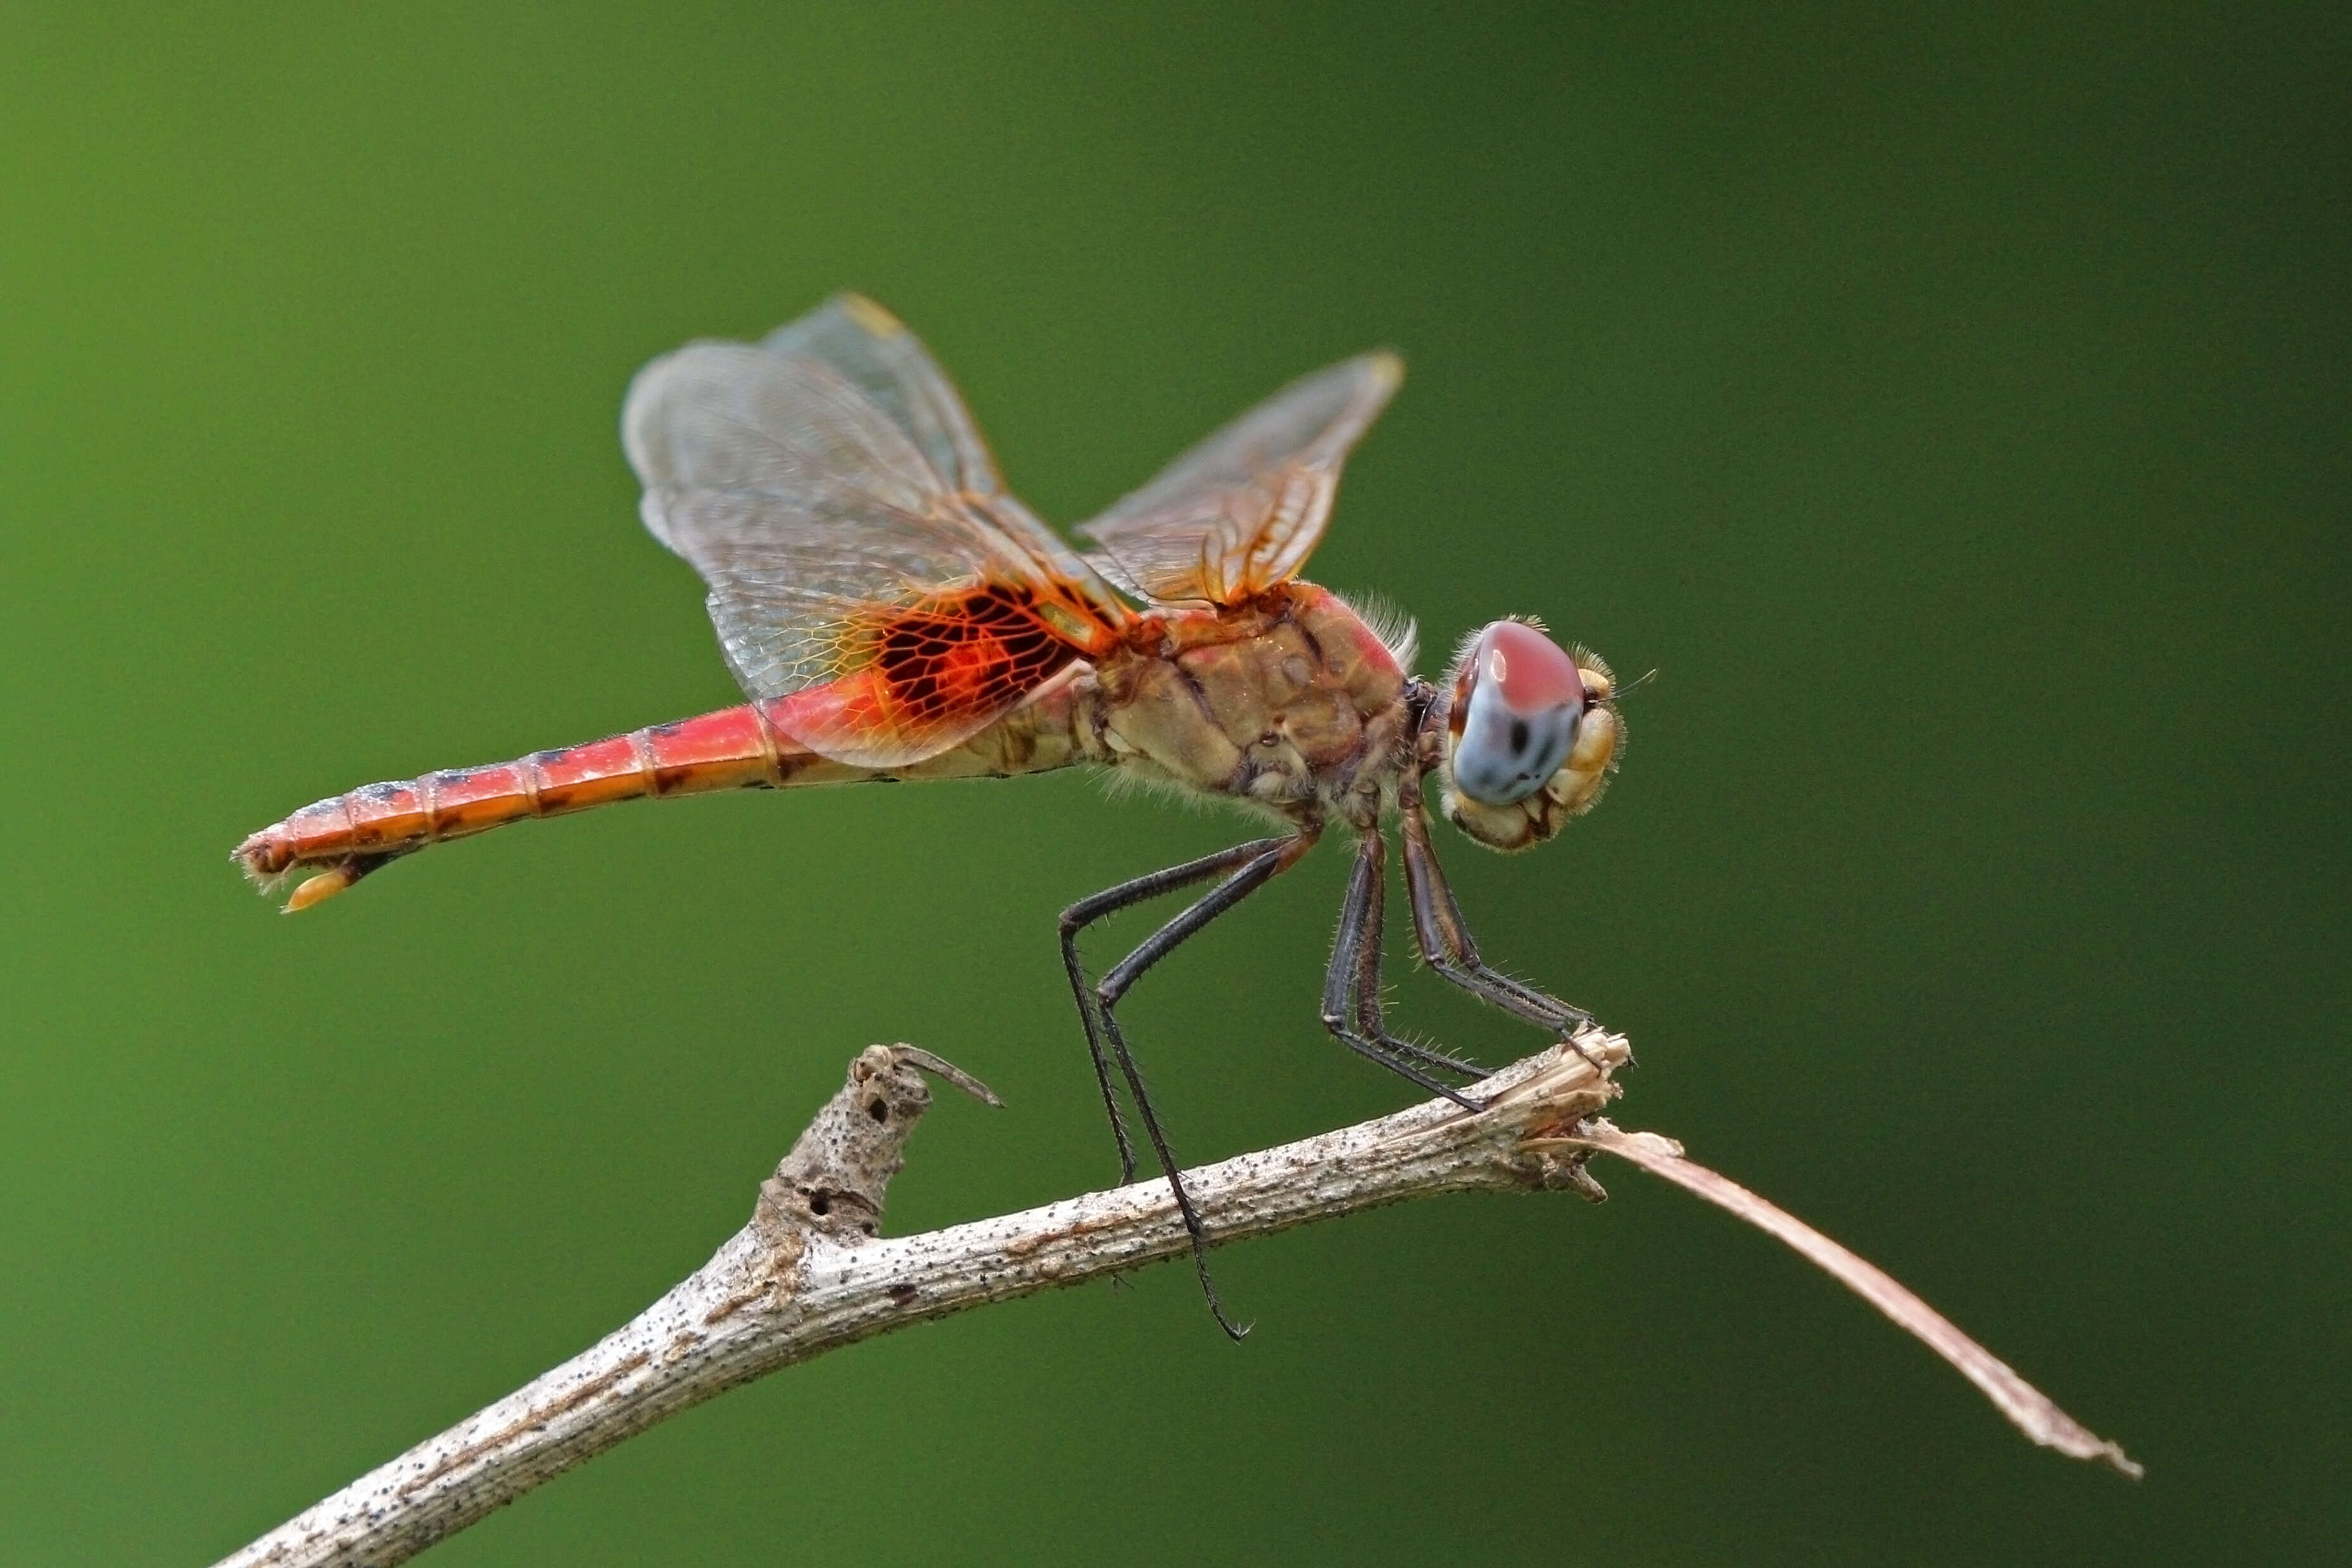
pixel 834 1181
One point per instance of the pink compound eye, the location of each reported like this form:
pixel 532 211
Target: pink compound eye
pixel 1531 672
pixel 1520 698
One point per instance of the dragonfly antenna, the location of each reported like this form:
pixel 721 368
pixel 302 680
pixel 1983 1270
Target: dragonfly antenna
pixel 1635 684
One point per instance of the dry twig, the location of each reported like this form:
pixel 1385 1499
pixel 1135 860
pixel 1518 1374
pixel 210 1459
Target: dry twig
pixel 808 1274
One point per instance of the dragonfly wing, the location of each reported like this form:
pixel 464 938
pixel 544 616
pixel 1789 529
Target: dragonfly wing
pixel 889 367
pixel 876 353
pixel 1242 511
pixel 803 484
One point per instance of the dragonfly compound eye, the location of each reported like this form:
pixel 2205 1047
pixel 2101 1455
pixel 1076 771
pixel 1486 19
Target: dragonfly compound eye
pixel 1519 700
pixel 1532 736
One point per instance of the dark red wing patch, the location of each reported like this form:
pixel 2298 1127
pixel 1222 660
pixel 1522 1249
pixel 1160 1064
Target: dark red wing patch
pixel 927 677
pixel 977 651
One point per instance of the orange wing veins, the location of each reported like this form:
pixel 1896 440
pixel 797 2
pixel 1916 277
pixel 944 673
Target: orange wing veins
pixel 931 669
pixel 950 656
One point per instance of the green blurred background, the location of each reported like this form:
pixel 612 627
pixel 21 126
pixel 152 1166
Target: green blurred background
pixel 1953 410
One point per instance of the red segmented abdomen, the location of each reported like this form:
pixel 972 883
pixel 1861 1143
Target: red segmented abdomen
pixel 347 836
pixel 351 834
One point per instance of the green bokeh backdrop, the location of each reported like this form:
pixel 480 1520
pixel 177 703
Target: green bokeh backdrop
pixel 1953 410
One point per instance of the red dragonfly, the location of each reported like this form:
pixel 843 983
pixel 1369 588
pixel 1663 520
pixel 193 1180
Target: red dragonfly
pixel 894 613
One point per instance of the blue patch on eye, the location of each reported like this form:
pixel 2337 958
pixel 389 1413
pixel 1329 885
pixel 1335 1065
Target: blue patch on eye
pixel 1503 757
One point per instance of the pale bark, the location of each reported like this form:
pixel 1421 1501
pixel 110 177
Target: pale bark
pixel 808 1274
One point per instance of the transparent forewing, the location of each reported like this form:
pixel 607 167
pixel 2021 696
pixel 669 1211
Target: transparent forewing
pixel 811 501
pixel 876 353
pixel 1242 510
pixel 795 497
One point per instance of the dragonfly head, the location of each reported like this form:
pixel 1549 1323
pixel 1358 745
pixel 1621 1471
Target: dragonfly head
pixel 1531 735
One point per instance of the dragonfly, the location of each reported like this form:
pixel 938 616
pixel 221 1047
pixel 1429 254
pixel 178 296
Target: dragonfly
pixel 893 612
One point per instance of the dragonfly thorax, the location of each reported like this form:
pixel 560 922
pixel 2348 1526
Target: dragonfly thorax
pixel 1289 703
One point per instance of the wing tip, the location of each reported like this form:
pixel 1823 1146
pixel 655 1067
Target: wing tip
pixel 870 316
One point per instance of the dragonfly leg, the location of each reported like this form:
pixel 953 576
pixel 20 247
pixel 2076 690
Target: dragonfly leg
pixel 1351 987
pixel 1370 1009
pixel 1444 941
pixel 1110 902
pixel 1267 858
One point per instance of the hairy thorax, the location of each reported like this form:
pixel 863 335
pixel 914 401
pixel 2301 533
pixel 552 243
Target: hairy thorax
pixel 1289 703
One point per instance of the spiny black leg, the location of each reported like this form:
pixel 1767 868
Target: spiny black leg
pixel 1255 873
pixel 1369 1008
pixel 1351 993
pixel 1110 900
pixel 1444 941
pixel 1175 1182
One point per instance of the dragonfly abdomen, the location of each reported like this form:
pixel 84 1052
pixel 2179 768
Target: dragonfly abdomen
pixel 350 835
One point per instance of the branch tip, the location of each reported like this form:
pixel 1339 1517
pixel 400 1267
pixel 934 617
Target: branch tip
pixel 2030 1410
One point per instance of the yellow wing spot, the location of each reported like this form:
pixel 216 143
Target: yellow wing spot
pixel 871 316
